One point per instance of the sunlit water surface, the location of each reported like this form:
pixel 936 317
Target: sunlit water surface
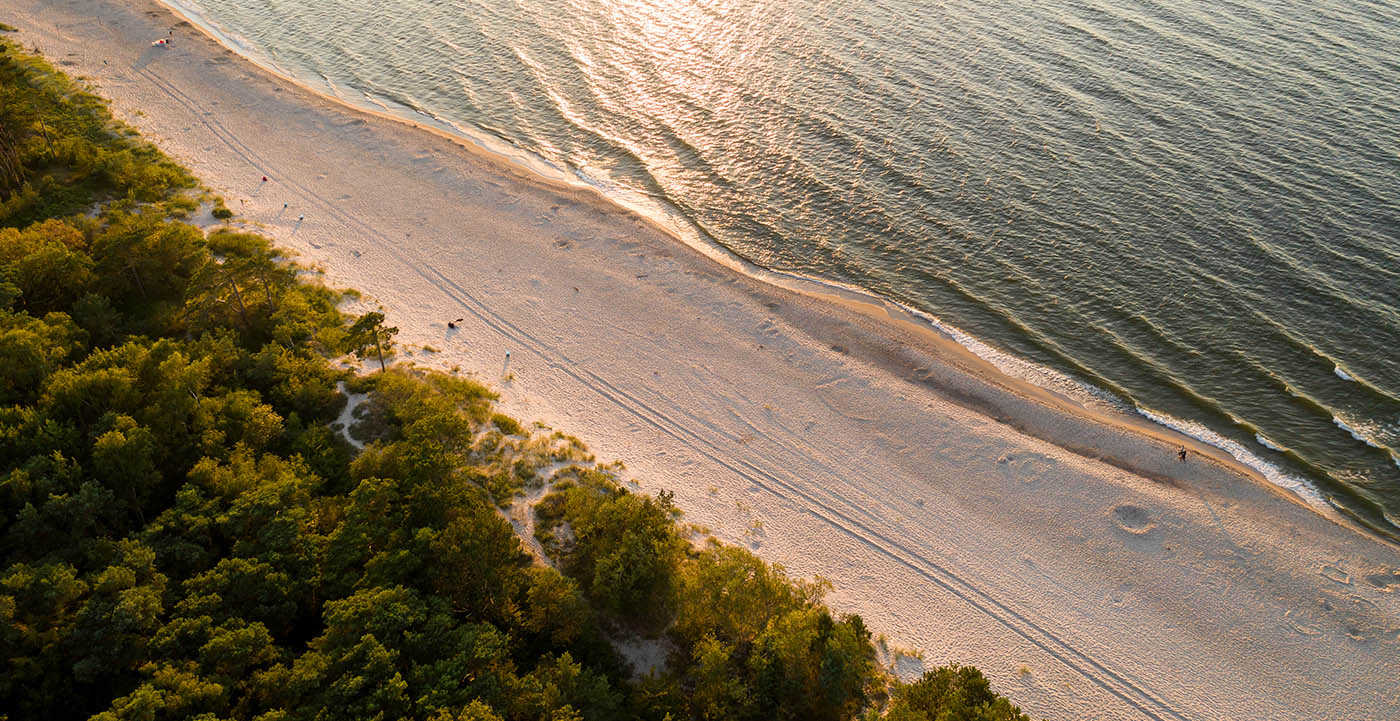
pixel 1191 206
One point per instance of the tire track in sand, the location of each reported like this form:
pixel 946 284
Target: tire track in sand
pixel 1144 701
pixel 1141 699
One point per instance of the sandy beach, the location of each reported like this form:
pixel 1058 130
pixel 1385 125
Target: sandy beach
pixel 964 514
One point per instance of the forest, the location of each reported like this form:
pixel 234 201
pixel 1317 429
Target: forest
pixel 186 532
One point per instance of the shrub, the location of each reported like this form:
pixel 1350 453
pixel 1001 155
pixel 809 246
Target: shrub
pixel 506 424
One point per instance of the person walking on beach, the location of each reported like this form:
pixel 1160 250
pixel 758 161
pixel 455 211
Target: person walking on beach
pixel 453 324
pixel 1182 454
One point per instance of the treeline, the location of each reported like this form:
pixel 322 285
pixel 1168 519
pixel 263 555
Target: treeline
pixel 185 534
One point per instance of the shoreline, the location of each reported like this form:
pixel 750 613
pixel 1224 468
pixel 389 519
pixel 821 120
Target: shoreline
pixel 788 423
pixel 996 370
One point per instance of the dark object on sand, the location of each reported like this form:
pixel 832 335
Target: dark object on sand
pixel 453 323
pixel 1182 453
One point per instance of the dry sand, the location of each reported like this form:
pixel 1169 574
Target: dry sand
pixel 1070 555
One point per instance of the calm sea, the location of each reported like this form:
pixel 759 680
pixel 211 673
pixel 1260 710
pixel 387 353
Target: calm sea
pixel 1190 207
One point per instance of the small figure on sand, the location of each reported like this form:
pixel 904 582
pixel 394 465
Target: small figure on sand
pixel 1182 454
pixel 264 179
pixel 301 218
pixel 505 369
pixel 284 206
pixel 453 324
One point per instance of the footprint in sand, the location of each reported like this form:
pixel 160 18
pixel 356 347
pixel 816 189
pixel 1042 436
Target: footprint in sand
pixel 1334 573
pixel 1385 582
pixel 1029 467
pixel 1303 628
pixel 1133 519
pixel 1361 619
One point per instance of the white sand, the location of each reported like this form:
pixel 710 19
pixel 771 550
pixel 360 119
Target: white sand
pixel 821 436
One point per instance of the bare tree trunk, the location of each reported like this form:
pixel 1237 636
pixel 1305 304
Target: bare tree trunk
pixel 131 268
pixel 47 142
pixel 242 311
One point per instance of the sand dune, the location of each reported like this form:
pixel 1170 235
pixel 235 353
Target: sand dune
pixel 1069 554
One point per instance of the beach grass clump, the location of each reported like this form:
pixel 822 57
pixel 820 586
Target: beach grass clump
pixel 506 424
pixel 185 534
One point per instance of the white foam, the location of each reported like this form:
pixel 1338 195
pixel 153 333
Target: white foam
pixel 1033 373
pixel 1264 441
pixel 1038 375
pixel 1358 435
pixel 1275 475
pixel 1342 374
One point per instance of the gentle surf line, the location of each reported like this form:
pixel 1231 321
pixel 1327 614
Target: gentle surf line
pixel 1298 487
pixel 1081 393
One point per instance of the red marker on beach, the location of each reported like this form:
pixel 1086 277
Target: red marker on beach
pixel 264 178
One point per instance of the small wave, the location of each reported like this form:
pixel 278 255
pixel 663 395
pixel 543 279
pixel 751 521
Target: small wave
pixel 1264 441
pixel 1349 376
pixel 235 41
pixel 1275 475
pixel 1018 367
pixel 1388 395
pixel 1042 376
pixel 1358 435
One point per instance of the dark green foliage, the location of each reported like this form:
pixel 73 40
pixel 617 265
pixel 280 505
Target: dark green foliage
pixel 183 535
pixel 749 643
pixel 622 548
pixel 368 335
pixel 951 693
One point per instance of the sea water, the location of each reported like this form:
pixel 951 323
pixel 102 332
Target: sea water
pixel 1191 206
